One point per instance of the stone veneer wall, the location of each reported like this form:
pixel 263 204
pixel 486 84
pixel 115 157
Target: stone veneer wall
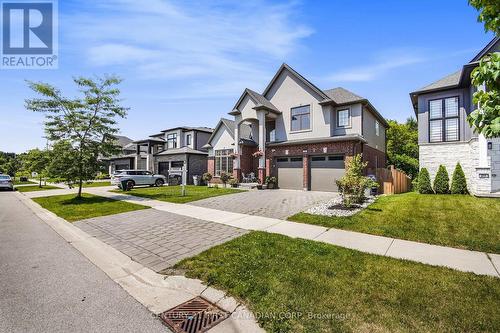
pixel 467 154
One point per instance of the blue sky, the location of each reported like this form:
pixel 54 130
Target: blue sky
pixel 187 62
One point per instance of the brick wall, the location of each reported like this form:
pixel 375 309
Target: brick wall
pixel 247 162
pixel 211 165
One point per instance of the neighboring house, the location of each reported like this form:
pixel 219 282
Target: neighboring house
pixel 303 134
pixel 444 135
pixel 124 159
pixel 167 153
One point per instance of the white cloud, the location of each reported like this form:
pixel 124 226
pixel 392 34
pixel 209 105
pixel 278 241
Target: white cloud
pixel 219 42
pixel 381 65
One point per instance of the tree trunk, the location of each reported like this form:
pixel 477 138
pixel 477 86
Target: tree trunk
pixel 80 184
pixel 40 183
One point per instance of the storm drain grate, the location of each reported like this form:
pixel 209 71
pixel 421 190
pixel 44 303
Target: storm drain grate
pixel 194 316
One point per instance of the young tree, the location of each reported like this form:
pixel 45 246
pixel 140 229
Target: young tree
pixel 486 119
pixel 61 164
pixel 402 146
pixel 424 182
pixel 88 123
pixel 442 181
pixel 458 181
pixel 353 184
pixel 36 160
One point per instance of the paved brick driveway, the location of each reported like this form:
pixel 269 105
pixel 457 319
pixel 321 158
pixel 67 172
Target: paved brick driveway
pixel 277 204
pixel 158 239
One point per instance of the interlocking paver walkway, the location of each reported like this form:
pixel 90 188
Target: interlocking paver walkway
pixel 158 239
pixel 278 204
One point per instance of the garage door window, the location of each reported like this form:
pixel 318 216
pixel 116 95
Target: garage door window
pixel 336 158
pixel 296 159
pixel 318 158
pixel 223 161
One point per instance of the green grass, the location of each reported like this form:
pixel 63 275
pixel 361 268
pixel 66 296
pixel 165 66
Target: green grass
pixel 451 220
pixel 96 184
pixel 35 188
pixel 278 277
pixel 18 182
pixel 73 209
pixel 173 193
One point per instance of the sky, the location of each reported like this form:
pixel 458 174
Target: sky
pixel 185 63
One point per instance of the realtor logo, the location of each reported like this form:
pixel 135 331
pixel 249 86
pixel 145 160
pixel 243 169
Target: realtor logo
pixel 29 38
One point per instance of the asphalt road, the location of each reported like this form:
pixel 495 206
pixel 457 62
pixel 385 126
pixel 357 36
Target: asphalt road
pixel 48 286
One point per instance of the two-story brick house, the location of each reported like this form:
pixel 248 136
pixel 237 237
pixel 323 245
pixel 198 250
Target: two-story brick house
pixel 444 135
pixel 167 153
pixel 298 133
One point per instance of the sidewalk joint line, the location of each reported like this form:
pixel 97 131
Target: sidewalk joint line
pixel 392 242
pixel 491 261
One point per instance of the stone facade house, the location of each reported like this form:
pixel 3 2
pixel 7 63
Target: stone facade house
pixel 444 135
pixel 298 133
pixel 167 153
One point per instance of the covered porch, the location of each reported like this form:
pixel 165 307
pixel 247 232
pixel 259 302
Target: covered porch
pixel 147 147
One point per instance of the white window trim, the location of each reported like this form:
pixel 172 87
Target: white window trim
pixel 229 160
pixel 337 118
pixel 377 128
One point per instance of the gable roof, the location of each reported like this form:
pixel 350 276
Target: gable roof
pixel 283 67
pixel 487 49
pixel 230 125
pixel 122 140
pixel 260 102
pixel 449 81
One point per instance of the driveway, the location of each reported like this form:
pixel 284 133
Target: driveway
pixel 158 239
pixel 46 285
pixel 277 204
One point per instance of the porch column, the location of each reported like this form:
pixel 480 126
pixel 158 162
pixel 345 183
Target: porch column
pixel 110 168
pixel 149 158
pixel 236 161
pixel 261 116
pixel 137 156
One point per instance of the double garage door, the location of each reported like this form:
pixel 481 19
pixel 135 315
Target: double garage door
pixel 324 170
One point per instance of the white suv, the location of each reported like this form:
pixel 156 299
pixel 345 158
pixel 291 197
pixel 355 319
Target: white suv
pixel 137 177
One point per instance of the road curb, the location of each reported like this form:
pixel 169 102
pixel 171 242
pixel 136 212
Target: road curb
pixel 156 292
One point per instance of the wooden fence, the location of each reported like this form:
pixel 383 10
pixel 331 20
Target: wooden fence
pixel 391 180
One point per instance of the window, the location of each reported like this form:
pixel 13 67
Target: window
pixel 343 118
pixel 282 159
pixel 336 158
pixel 443 120
pixel 296 159
pixel 188 140
pixel 301 118
pixel 223 161
pixel 377 128
pixel 172 140
pixel 318 158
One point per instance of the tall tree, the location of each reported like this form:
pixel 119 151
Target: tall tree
pixel 402 146
pixel 486 119
pixel 36 160
pixel 88 124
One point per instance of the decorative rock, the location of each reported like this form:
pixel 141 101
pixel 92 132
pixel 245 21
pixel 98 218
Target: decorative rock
pixel 326 208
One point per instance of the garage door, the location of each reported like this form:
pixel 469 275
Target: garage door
pixel 290 174
pixel 324 171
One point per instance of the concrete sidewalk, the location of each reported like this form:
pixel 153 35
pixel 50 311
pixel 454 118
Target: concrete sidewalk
pixel 462 260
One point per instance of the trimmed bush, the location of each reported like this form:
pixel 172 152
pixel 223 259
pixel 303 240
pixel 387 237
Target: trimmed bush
pixel 424 182
pixel 458 181
pixel 442 181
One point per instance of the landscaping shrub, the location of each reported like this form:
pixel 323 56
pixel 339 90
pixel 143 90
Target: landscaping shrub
pixel 414 184
pixel 442 181
pixel 225 177
pixel 458 181
pixel 353 184
pixel 424 182
pixel 207 177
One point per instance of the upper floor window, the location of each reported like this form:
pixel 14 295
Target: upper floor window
pixel 343 118
pixel 172 140
pixel 377 128
pixel 301 118
pixel 188 140
pixel 443 120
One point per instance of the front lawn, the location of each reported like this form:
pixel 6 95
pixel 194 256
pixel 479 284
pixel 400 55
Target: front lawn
pixel 72 209
pixel 95 184
pixel 173 193
pixel 35 188
pixel 452 220
pixel 18 182
pixel 295 285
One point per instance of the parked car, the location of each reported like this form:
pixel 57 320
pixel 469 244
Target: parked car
pixel 6 182
pixel 137 177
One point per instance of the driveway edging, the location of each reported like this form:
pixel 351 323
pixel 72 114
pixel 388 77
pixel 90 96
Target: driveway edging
pixel 156 292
